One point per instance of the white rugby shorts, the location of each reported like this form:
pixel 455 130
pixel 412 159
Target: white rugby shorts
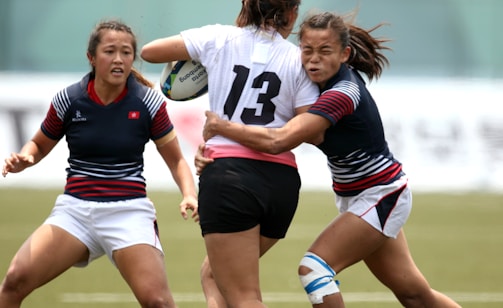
pixel 106 226
pixel 384 207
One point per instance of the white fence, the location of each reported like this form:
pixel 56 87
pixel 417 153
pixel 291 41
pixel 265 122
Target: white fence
pixel 447 133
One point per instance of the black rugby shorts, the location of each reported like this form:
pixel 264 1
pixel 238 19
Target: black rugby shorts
pixel 236 194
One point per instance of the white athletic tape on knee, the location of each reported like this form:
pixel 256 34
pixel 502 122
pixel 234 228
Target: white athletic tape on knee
pixel 320 281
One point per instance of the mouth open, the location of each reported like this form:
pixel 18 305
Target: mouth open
pixel 117 71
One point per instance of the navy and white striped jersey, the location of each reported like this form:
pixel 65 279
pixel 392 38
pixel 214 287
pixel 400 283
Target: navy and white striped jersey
pixel 106 142
pixel 355 145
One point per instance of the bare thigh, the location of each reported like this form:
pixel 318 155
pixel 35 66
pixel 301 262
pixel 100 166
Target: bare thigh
pixel 393 265
pixel 234 261
pixel 210 289
pixel 347 240
pixel 142 266
pixel 47 253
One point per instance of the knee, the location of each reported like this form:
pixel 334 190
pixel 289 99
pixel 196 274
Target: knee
pixel 411 300
pixel 155 298
pixel 317 278
pixel 426 299
pixel 15 286
pixel 158 302
pixel 205 272
pixel 419 297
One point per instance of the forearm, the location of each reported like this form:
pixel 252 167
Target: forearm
pixel 256 137
pixel 29 155
pixel 39 146
pixel 180 171
pixel 33 150
pixel 303 127
pixel 182 175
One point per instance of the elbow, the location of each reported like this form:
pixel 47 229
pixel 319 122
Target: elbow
pixel 148 54
pixel 275 151
pixel 144 54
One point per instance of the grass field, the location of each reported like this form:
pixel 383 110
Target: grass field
pixel 456 239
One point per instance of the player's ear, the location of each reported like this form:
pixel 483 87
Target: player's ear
pixel 346 52
pixel 90 58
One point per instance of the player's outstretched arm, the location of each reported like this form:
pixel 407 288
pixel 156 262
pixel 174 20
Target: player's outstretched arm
pixel 31 153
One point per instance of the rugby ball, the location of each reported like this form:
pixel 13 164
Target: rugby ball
pixel 184 80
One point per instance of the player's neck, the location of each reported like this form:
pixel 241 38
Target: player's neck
pixel 107 93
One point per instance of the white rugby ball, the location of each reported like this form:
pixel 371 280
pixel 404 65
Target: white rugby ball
pixel 184 80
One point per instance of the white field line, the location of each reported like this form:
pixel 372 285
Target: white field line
pixel 349 297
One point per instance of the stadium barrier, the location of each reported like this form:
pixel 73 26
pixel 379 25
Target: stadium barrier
pixel 447 132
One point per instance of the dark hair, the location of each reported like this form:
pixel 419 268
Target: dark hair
pixel 366 55
pixel 115 25
pixel 266 13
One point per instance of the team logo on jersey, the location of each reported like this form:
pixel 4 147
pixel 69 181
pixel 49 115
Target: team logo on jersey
pixel 133 115
pixel 78 117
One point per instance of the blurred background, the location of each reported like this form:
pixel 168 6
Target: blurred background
pixel 440 98
pixel 448 38
pixel 441 103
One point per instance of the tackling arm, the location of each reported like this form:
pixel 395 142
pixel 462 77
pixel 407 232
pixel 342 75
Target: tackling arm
pixel 305 127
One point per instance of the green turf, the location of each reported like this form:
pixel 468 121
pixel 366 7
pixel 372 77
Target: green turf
pixel 456 239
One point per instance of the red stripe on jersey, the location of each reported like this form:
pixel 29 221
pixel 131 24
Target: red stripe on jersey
pixel 87 182
pixel 335 104
pixel 161 122
pixel 52 124
pixel 103 189
pixel 377 179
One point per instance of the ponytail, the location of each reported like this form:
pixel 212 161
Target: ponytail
pixel 141 79
pixel 366 55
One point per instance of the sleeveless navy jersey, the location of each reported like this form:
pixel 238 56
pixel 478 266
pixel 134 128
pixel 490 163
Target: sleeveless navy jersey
pixel 355 146
pixel 106 142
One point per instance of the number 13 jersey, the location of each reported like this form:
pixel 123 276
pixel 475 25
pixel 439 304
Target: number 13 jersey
pixel 255 77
